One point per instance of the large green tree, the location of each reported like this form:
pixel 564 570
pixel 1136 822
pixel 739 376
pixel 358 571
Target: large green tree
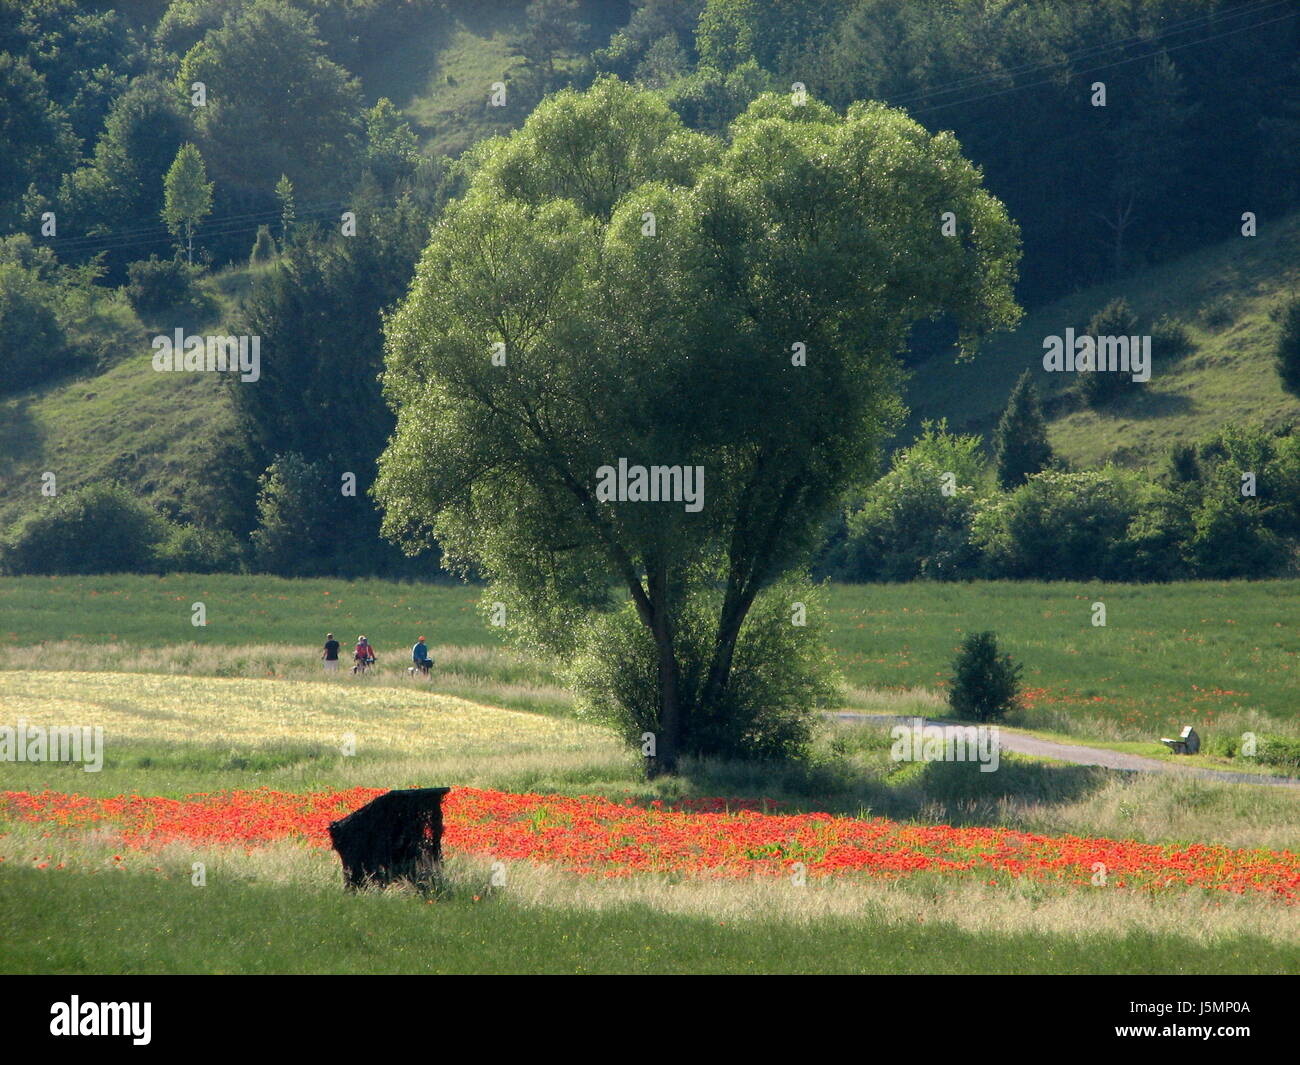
pixel 612 287
pixel 275 104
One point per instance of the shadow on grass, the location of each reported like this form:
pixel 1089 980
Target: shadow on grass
pixel 20 437
pixel 953 792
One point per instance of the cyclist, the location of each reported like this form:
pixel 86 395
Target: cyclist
pixel 420 656
pixel 364 655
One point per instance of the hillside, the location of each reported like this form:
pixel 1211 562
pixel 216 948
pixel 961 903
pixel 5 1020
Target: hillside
pixel 162 433
pixel 1225 295
pixel 441 75
pixel 165 432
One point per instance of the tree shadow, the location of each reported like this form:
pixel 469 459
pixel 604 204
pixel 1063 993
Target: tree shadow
pixel 1154 405
pixel 20 436
pixel 955 793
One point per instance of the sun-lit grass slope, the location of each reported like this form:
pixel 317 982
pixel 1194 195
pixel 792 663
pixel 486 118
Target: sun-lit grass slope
pixel 441 74
pixel 162 434
pixel 1225 295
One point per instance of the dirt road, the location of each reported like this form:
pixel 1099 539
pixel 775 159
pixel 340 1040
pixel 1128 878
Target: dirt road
pixel 1080 755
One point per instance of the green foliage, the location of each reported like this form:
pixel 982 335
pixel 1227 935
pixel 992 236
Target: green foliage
pixel 784 675
pixel 1155 543
pixel 38 143
pixel 392 149
pixel 552 28
pixel 1170 341
pixel 295 531
pixel 33 344
pixel 1229 537
pixel 120 189
pixel 774 33
pixel 1101 387
pixel 189 549
pixel 1060 526
pixel 276 105
pixel 319 316
pixel 263 248
pixel 915 521
pixel 1281 751
pixel 1288 348
pixel 986 684
pixel 1020 444
pixel 978 69
pixel 288 210
pixel 156 286
pixel 709 99
pixel 99 529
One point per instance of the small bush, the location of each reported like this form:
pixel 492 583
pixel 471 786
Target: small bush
pixel 1217 313
pixel 156 286
pixel 100 529
pixel 263 248
pixel 1170 341
pixel 1288 348
pixel 189 549
pixel 33 345
pixel 1279 751
pixel 985 685
pixel 1115 319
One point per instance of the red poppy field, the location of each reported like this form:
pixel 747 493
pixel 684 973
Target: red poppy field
pixel 704 837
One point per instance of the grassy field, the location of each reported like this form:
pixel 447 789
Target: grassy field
pixel 1224 656
pixel 242 704
pixel 134 924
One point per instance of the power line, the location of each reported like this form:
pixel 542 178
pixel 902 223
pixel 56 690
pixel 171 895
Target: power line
pixel 974 80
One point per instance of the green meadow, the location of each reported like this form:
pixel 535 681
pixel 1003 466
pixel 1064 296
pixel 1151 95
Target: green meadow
pixel 1218 655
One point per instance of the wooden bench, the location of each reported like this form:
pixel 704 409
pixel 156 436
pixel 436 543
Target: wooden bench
pixel 1188 742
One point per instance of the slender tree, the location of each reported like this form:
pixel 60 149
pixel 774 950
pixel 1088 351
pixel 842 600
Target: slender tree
pixel 288 212
pixel 1020 443
pixel 187 196
pixel 1288 348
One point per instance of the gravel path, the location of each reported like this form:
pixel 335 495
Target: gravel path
pixel 1080 755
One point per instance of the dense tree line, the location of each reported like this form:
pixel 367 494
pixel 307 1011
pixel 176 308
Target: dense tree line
pixel 1201 119
pixel 1226 507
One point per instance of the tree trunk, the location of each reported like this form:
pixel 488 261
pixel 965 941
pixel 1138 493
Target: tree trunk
pixel 668 742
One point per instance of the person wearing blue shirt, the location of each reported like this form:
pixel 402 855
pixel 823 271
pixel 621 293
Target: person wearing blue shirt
pixel 420 656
